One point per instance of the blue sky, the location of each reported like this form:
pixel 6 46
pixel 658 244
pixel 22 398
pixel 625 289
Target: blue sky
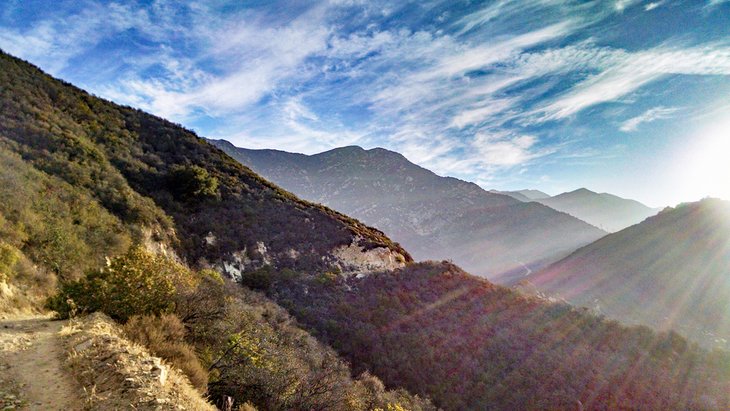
pixel 625 96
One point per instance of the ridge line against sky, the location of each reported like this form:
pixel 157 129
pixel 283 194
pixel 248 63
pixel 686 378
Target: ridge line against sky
pixel 627 96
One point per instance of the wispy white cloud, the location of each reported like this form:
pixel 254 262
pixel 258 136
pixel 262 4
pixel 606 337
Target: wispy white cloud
pixel 486 111
pixel 651 6
pixel 53 42
pixel 652 114
pixel 627 72
pixel 503 149
pixel 621 5
pixel 468 95
pixel 251 56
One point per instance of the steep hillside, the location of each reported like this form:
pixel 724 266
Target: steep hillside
pixel 156 177
pixel 670 271
pixel 469 344
pixel 434 217
pixel 607 211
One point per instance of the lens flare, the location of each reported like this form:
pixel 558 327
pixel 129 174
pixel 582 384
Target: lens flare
pixel 705 169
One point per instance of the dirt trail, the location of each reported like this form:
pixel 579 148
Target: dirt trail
pixel 32 375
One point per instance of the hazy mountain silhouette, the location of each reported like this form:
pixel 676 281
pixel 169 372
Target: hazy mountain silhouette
pixel 606 211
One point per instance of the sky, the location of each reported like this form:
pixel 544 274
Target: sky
pixel 628 97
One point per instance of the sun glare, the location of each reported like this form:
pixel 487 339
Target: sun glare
pixel 705 169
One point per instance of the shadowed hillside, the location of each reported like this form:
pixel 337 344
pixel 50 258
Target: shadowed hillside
pixel 470 344
pixel 670 271
pixel 102 203
pixel 155 175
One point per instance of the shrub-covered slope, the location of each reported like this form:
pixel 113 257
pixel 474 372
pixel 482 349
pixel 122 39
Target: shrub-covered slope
pixel 82 180
pixel 429 327
pixel 148 172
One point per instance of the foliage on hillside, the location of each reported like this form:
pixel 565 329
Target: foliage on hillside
pixel 267 360
pixel 83 179
pixel 468 344
pixel 151 173
pixel 136 283
pixel 52 222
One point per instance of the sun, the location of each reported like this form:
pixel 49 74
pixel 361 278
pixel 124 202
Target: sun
pixel 705 169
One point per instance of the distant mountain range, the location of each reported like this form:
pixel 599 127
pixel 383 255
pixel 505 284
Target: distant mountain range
pixel 605 211
pixel 670 271
pixel 489 234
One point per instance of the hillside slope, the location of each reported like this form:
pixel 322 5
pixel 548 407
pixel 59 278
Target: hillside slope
pixel 607 211
pixel 158 179
pixel 470 344
pixel 434 217
pixel 670 271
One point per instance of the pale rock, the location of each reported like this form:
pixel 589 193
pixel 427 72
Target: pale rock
pixel 210 239
pixel 159 371
pixel 353 260
pixel 83 346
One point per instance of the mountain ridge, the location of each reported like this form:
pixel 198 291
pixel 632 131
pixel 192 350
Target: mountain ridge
pixel 153 169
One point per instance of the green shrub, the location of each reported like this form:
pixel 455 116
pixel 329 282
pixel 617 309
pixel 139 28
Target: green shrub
pixel 193 182
pixel 164 336
pixel 135 283
pixel 260 279
pixel 9 255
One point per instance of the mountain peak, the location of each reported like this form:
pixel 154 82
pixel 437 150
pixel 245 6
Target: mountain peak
pixel 582 191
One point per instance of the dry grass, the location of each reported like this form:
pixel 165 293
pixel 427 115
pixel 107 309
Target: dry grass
pixel 164 336
pixel 118 374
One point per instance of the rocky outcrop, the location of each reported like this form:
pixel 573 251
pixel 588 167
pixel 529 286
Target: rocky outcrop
pixel 354 259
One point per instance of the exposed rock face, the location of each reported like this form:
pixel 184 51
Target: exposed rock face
pixel 354 259
pixel 236 265
pixel 241 261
